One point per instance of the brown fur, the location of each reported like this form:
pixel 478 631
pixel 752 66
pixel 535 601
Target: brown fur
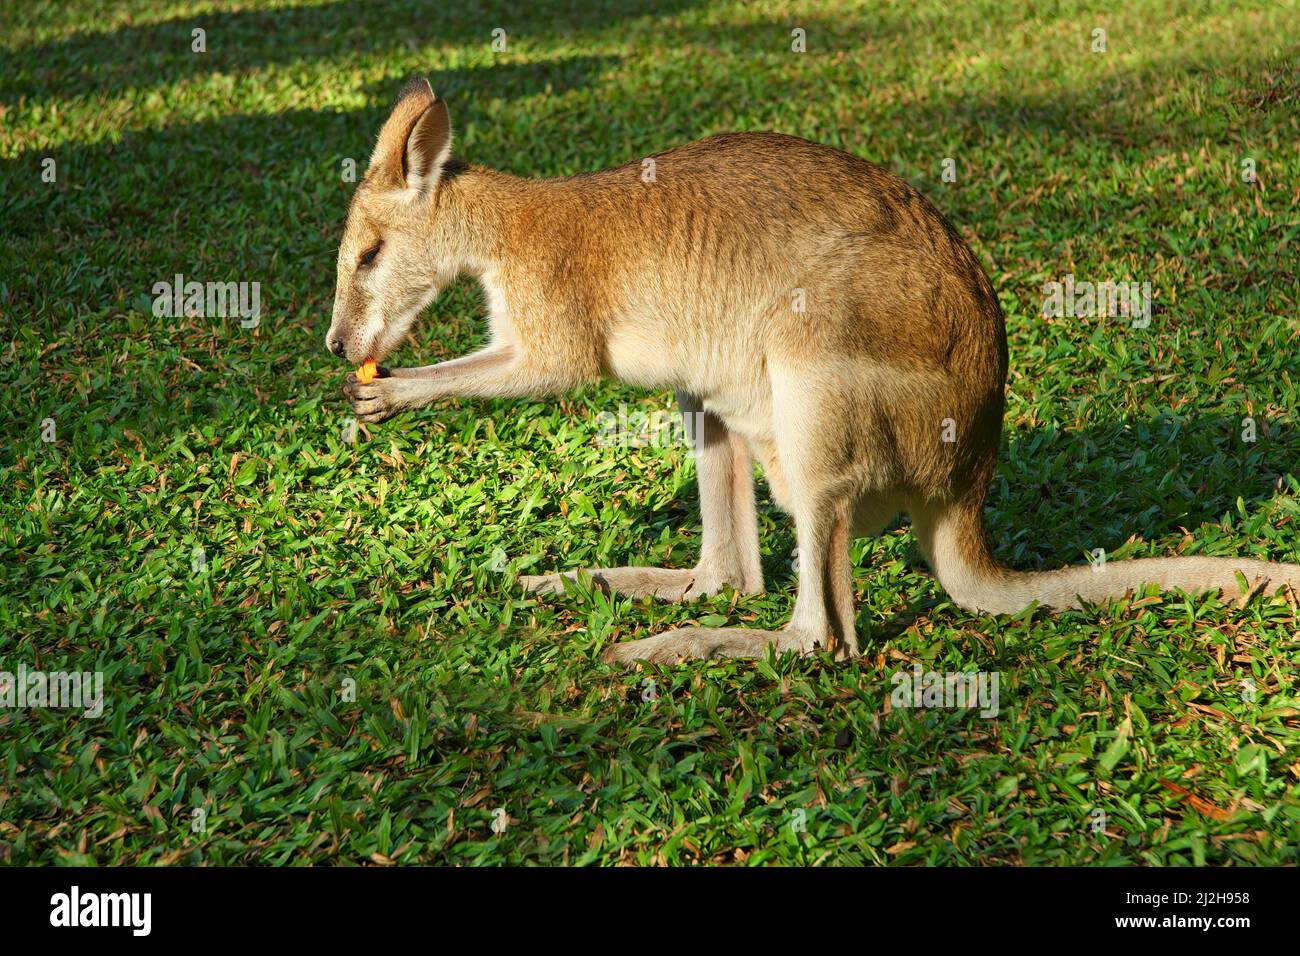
pixel 689 282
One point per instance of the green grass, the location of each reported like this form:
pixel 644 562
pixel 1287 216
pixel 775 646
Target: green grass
pixel 388 562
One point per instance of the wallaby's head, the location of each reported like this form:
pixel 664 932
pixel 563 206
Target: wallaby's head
pixel 398 249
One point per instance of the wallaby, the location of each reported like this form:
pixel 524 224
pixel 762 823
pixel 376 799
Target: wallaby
pixel 815 310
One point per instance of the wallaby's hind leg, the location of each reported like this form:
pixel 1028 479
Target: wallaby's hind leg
pixel 729 554
pixel 823 611
pixel 823 512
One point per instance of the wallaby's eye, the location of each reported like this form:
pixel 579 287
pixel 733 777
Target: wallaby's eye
pixel 368 256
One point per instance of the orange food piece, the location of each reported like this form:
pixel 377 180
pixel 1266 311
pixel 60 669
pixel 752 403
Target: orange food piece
pixel 367 371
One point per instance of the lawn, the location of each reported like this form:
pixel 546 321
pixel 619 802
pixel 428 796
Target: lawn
pixel 313 651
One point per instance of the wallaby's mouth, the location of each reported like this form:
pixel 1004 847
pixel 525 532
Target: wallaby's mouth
pixel 373 343
pixel 350 356
pixel 376 350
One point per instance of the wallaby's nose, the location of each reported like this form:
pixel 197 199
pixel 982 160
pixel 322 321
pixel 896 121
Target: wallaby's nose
pixel 336 346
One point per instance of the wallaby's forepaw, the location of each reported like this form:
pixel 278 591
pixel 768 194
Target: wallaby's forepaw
pixel 375 401
pixel 703 643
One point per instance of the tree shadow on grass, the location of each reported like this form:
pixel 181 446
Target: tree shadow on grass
pixel 261 198
pixel 107 62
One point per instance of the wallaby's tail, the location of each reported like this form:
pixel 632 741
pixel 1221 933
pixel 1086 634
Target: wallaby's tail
pixel 956 546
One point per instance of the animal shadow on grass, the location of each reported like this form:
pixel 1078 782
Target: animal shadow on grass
pixel 1148 478
pixel 1137 477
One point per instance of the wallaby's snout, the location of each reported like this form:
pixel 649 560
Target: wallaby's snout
pixel 350 331
pixel 391 263
pixel 335 338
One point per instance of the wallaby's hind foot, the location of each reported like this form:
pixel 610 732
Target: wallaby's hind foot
pixel 662 584
pixel 705 643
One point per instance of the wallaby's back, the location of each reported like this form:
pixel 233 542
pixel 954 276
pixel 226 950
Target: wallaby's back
pixel 788 245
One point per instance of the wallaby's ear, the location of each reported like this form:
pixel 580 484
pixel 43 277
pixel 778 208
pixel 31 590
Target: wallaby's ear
pixel 415 141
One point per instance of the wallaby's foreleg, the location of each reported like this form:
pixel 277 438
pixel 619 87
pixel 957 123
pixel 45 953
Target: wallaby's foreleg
pixel 499 371
pixel 729 554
